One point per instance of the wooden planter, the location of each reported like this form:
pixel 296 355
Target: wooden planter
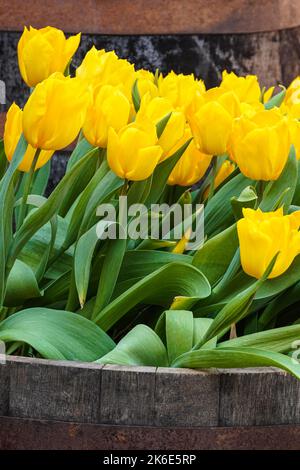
pixel 66 405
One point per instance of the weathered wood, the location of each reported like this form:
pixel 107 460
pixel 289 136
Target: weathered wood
pixel 127 395
pixel 155 17
pixel 57 390
pixel 23 434
pixel 186 397
pixel 146 396
pixel 256 397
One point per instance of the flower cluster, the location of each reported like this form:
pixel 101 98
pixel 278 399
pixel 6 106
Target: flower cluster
pixel 164 142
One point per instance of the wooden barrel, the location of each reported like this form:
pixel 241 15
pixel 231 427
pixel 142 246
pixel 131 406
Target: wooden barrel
pixel 68 405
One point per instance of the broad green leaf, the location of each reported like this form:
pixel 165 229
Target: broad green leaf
pixel 179 332
pixel 247 198
pixel 276 339
pixel 281 191
pixel 41 178
pixel 57 334
pixel 216 254
pixel 279 303
pixel 41 216
pixel 6 211
pixel 21 285
pixel 235 358
pixel 218 212
pixel 160 126
pixel 114 254
pixel 3 159
pixel 158 288
pixel 83 147
pixel 140 347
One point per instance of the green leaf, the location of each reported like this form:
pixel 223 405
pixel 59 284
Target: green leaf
pixel 214 257
pixel 82 148
pixel 236 309
pixel 218 212
pixel 6 210
pixel 160 126
pixel 21 285
pixel 276 100
pixel 281 192
pixel 235 358
pixel 136 99
pixel 161 174
pixel 57 334
pixel 140 347
pixel 41 178
pixel 158 288
pixel 179 332
pixel 247 198
pixel 276 339
pixel 3 159
pixel 41 216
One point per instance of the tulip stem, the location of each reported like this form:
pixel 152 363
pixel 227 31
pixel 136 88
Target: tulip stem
pixel 213 176
pixel 124 188
pixel 260 190
pixel 27 187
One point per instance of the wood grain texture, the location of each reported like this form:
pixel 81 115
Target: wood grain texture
pixel 155 17
pixel 189 398
pixel 127 395
pixel 24 434
pixel 254 397
pixel 56 390
pixel 146 396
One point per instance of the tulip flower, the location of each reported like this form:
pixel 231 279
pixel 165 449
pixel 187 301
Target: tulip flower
pixel 223 172
pixel 246 88
pixel 12 133
pixel 157 109
pixel 192 164
pixel 145 83
pixel 133 153
pixel 291 103
pixel 41 52
pixel 180 89
pixel 211 124
pixel 55 112
pixel 260 144
pixel 264 234
pixel 105 68
pixel 110 108
pixel 294 128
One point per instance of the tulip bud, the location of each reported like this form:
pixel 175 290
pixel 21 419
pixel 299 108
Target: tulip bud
pixel 180 89
pixel 191 166
pixel 133 153
pixel 262 235
pixel 12 133
pixel 41 52
pixel 55 112
pixel 157 109
pixel 105 68
pixel 110 108
pixel 211 124
pixel 291 103
pixel 246 88
pixel 146 83
pixel 260 144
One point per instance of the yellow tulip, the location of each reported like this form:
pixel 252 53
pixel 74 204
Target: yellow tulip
pixel 133 153
pixel 260 144
pixel 42 52
pixel 291 103
pixel 192 165
pixel 105 68
pixel 180 89
pixel 264 234
pixel 246 88
pixel 55 112
pixel 110 108
pixel 146 83
pixel 12 133
pixel 224 171
pixel 211 124
pixel 155 110
pixel 294 128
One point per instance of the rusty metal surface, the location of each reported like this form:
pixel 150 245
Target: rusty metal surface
pixel 18 433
